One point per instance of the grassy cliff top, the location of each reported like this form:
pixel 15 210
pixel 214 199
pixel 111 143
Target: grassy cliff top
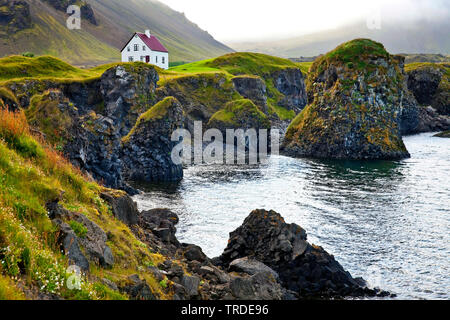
pixel 157 112
pixel 17 68
pixel 237 64
pixel 424 65
pixel 354 54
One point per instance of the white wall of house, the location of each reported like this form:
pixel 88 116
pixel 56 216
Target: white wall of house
pixel 160 59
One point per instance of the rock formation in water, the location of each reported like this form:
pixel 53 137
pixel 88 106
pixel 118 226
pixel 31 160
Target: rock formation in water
pixel 429 84
pixel 146 150
pixel 305 270
pixel 356 96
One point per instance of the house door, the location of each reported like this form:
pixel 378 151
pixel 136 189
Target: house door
pixel 147 59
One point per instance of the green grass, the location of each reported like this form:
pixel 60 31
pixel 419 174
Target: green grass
pixel 158 111
pixel 31 175
pixel 237 110
pixel 242 63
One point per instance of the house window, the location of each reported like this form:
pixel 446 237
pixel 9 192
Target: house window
pixel 156 59
pixel 142 58
pixel 129 49
pixel 130 59
pixel 143 48
pixel 163 60
pixel 136 47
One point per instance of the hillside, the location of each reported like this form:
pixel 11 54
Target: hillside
pixel 104 30
pixel 412 37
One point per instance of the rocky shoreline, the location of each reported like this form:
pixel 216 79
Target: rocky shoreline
pixel 266 258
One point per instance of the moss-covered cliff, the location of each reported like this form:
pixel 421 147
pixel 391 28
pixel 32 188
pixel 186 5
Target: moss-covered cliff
pixel 356 93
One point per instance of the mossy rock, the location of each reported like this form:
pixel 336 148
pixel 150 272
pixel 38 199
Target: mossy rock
pixel 53 115
pixel 355 95
pixel 239 114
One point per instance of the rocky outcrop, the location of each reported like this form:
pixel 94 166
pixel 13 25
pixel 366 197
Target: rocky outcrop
pixel 146 152
pixel 252 88
pixel 266 259
pixel 122 206
pixel 305 269
pixel 291 83
pixel 14 16
pixel 82 240
pixel 239 114
pixel 424 82
pixel 430 85
pixel 356 93
pixel 88 121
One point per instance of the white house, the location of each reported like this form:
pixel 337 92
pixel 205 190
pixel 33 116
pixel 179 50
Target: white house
pixel 147 48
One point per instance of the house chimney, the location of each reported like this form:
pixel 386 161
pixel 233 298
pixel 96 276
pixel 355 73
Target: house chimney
pixel 147 33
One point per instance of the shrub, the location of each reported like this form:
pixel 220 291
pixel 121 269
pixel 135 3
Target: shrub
pixel 28 54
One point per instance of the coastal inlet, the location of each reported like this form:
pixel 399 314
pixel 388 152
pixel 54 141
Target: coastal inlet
pixel 386 221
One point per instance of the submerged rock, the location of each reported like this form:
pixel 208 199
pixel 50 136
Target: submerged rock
pixel 356 93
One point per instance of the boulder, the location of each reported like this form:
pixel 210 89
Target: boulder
pixel 305 269
pixel 93 241
pixel 161 222
pixel 261 286
pixel 137 289
pixel 122 206
pixel 250 266
pixel 355 95
pixel 191 284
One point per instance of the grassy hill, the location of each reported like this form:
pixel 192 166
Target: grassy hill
pixel 116 21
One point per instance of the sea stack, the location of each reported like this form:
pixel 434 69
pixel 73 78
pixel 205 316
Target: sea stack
pixel 356 96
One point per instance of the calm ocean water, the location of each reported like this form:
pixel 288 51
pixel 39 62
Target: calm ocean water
pixel 386 221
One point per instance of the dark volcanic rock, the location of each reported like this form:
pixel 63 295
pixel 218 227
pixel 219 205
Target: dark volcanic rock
pixel 138 289
pixel 424 83
pixel 253 88
pixel 146 153
pixel 123 207
pixel 430 84
pixel 93 242
pixel 303 268
pixel 291 83
pixel 356 93
pixel 161 222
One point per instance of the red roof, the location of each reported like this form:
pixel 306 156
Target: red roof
pixel 152 42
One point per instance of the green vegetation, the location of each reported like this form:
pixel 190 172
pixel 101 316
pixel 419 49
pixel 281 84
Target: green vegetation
pixel 45 67
pixel 234 64
pixel 353 54
pixel 238 112
pixel 31 175
pixel 78 228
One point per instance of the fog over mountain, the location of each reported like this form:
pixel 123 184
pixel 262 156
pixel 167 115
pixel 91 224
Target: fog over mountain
pixel 409 26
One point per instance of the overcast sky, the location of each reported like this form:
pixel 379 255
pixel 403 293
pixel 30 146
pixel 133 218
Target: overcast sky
pixel 241 20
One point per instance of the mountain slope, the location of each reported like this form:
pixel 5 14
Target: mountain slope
pixel 412 37
pixel 100 42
